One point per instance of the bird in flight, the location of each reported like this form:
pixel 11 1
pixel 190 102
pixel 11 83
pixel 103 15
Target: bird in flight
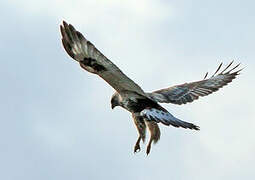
pixel 144 107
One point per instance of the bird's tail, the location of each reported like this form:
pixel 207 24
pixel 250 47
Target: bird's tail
pixel 179 123
pixel 166 118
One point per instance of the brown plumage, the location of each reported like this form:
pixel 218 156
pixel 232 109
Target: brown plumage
pixel 155 134
pixel 141 129
pixel 145 108
pixel 188 92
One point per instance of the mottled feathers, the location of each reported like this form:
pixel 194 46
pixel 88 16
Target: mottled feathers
pixel 145 108
pixel 188 92
pixel 92 60
pixel 157 115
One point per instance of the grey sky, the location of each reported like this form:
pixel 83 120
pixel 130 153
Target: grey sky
pixel 56 120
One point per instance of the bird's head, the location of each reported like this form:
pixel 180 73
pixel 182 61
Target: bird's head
pixel 115 101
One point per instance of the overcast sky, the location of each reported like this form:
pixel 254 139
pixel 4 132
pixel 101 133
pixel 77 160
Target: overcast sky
pixel 56 120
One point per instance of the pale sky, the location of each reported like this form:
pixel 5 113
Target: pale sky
pixel 56 119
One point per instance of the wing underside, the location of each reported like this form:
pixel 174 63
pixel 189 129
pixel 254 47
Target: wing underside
pixel 92 60
pixel 188 92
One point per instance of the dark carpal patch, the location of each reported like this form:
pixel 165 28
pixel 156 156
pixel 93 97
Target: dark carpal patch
pixel 93 64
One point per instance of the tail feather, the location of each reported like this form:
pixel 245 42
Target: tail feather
pixel 183 124
pixel 166 118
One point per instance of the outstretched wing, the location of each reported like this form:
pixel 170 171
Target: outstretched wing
pixel 92 60
pixel 188 92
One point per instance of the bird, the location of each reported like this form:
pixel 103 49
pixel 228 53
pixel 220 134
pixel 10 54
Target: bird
pixel 145 107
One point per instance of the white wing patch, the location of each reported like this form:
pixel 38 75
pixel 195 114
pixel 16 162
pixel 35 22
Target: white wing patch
pixel 166 118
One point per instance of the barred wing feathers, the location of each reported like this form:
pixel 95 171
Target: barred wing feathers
pixel 188 92
pixel 92 60
pixel 161 116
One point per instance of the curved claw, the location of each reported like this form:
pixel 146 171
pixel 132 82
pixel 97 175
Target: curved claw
pixel 148 150
pixel 137 148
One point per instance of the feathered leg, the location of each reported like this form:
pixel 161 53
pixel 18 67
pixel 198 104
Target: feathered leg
pixel 141 128
pixel 155 134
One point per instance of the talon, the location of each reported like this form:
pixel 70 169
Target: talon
pixel 137 148
pixel 148 150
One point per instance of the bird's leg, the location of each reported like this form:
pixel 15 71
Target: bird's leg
pixel 155 134
pixel 149 147
pixel 137 145
pixel 141 128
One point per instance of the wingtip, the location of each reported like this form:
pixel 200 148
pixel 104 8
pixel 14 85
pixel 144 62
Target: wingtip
pixel 217 69
pixel 62 30
pixel 234 68
pixel 72 29
pixel 64 23
pixel 206 75
pixel 238 72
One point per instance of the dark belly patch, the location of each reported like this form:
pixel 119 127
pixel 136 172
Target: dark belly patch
pixel 142 104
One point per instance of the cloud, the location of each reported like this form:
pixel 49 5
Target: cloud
pixel 85 11
pixel 52 121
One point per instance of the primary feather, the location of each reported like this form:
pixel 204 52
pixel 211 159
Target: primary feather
pixel 146 111
pixel 188 92
pixel 92 60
